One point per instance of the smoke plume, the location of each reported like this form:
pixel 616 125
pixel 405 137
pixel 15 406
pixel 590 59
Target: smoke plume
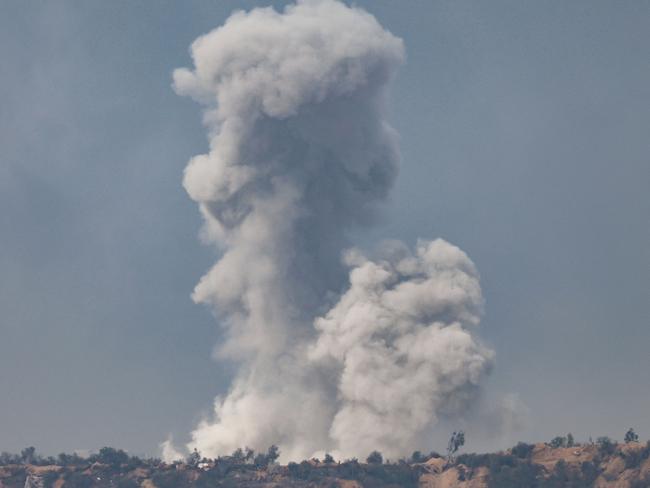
pixel 299 153
pixel 401 344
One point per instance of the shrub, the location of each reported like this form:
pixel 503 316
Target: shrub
pixel 522 450
pixel 50 478
pixel 127 483
pixel 238 455
pixel 260 460
pixel 194 458
pixel 6 458
pixel 167 479
pixel 375 457
pixel 561 470
pixel 113 457
pixel 513 476
pixel 589 472
pixel 634 458
pixel 417 457
pixel 28 455
pixel 272 454
pixel 605 446
pixel 474 460
pixel 631 436
pixel 80 480
pixel 570 442
pixel 641 483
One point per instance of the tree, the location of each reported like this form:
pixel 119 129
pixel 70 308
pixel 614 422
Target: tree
pixel 260 460
pixel 417 457
pixel 114 457
pixel 605 445
pixel 522 450
pixel 328 459
pixel 272 454
pixel 28 454
pixel 238 455
pixel 375 457
pixel 456 441
pixel 194 458
pixel 249 454
pixel 631 436
pixel 570 441
pixel 557 442
pixel 7 458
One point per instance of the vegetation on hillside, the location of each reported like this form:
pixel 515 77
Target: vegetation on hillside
pixel 562 462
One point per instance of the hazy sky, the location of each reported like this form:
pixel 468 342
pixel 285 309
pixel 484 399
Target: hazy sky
pixel 525 141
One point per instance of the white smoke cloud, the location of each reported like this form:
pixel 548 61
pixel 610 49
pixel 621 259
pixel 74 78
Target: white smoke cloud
pixel 401 340
pixel 169 452
pixel 300 152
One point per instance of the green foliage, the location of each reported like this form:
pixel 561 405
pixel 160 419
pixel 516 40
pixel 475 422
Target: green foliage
pixel 238 455
pixel 50 478
pixel 605 446
pixel 350 469
pixel 589 472
pixel 514 469
pixel 570 442
pixel 456 441
pixel 7 458
pixel 127 483
pixel 64 459
pixel 249 454
pixel 513 475
pixel 194 458
pixel 272 454
pixel 473 460
pixel 522 450
pixel 111 456
pixel 168 479
pixel 558 442
pixel 634 457
pixel 80 480
pixel 375 457
pixel 631 436
pixel 259 460
pixel 263 460
pixel 506 471
pixel 561 472
pixel 417 457
pixel 28 455
pixel 641 483
pixel 401 475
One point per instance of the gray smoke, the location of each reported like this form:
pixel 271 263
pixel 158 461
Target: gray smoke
pixel 300 152
pixel 400 341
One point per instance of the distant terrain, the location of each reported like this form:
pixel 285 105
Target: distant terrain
pixel 559 463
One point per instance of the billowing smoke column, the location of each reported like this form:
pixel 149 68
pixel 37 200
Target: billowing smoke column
pixel 400 340
pixel 299 154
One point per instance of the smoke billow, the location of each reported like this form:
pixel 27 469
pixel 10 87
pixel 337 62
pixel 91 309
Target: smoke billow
pixel 400 342
pixel 300 152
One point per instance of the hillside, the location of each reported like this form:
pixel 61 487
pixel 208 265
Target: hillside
pixel 599 465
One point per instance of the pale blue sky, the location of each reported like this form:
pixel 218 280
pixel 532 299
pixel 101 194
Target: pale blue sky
pixel 525 138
